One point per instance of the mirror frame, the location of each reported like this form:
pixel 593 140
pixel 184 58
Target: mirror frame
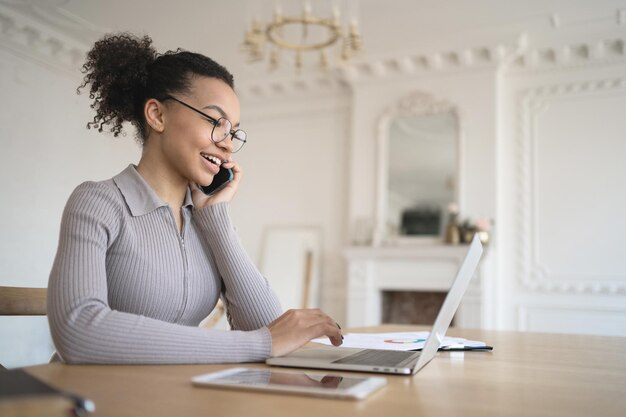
pixel 417 103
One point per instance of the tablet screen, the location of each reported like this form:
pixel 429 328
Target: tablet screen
pixel 300 379
pixel 304 383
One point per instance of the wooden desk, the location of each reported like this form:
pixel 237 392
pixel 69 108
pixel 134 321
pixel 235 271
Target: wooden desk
pixel 527 374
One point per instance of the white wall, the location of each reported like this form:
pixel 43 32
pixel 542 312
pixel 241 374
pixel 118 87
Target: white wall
pixel 295 174
pixel 563 199
pixel 46 151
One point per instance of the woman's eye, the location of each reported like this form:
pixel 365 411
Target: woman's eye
pixel 211 121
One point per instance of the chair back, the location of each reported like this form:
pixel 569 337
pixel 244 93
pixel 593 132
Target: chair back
pixel 20 301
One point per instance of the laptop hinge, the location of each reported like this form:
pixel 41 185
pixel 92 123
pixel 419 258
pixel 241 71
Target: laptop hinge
pixel 408 360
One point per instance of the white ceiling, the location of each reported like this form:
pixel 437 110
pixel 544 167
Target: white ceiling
pixel 391 26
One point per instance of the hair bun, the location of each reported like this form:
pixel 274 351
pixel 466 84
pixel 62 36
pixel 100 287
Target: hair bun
pixel 117 70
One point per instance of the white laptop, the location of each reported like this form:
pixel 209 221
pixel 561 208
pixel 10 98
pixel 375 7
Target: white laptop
pixel 389 361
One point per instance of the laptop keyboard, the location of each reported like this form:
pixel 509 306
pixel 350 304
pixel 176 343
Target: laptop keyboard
pixel 376 357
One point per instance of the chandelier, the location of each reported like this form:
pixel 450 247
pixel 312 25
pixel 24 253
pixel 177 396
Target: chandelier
pixel 299 34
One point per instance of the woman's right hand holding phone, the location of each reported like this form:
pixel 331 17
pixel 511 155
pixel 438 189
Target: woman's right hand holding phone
pixel 295 328
pixel 225 194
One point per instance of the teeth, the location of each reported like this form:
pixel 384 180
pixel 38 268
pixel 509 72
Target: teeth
pixel 213 159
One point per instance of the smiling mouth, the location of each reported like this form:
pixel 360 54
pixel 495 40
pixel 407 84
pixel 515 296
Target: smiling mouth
pixel 212 159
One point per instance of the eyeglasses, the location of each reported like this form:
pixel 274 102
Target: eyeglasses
pixel 222 127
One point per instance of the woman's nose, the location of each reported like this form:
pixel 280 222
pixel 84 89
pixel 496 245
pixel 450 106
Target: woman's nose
pixel 226 144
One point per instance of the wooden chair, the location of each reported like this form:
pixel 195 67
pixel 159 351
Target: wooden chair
pixel 19 301
pixel 216 315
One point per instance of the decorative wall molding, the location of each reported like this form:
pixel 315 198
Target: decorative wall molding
pixel 53 15
pixel 531 275
pixel 44 31
pixel 419 64
pixel 520 56
pixel 27 37
pixel 412 64
pixel 292 86
pixel 514 57
pixel 418 103
pixel 604 51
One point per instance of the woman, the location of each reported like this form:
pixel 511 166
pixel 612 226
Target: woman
pixel 143 257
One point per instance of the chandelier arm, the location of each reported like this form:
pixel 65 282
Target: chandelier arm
pixel 274 27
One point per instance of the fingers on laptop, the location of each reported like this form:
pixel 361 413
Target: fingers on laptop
pixel 295 328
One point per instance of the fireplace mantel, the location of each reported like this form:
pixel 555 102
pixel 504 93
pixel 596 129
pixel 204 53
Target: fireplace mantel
pixel 437 250
pixel 427 267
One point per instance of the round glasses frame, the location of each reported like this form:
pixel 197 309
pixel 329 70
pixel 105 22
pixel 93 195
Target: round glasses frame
pixel 239 137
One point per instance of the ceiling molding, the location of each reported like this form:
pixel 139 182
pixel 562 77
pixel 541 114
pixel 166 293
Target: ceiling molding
pixel 605 51
pixel 409 65
pixel 341 79
pixel 293 86
pixel 45 32
pixel 514 57
pixel 53 15
pixel 29 38
pixel 423 64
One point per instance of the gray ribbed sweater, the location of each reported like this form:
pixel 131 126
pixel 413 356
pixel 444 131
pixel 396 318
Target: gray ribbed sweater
pixel 126 287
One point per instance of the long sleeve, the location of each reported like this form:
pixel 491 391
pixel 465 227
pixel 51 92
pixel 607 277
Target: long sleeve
pixel 85 329
pixel 250 302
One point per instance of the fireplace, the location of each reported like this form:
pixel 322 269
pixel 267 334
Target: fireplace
pixel 407 285
pixel 411 307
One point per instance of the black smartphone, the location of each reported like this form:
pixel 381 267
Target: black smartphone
pixel 223 177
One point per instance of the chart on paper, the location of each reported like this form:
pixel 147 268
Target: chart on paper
pixel 397 341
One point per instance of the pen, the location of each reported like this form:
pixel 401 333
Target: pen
pixel 464 348
pixel 339 329
pixel 81 405
pixel 458 349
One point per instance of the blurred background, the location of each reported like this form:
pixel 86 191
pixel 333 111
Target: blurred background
pixel 382 136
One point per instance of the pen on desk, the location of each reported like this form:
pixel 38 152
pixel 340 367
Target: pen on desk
pixel 458 349
pixel 81 405
pixel 466 348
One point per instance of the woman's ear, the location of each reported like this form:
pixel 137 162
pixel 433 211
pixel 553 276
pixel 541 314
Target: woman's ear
pixel 153 112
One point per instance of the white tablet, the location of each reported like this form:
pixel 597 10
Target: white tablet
pixel 292 382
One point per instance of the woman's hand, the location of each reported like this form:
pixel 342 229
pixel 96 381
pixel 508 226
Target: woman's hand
pixel 297 327
pixel 226 194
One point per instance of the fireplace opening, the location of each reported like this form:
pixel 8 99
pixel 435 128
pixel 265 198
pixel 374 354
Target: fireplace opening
pixel 411 307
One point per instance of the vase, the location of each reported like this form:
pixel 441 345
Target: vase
pixel 453 235
pixel 467 235
pixel 484 237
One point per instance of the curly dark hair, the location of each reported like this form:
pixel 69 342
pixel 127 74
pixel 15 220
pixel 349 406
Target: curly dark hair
pixel 125 71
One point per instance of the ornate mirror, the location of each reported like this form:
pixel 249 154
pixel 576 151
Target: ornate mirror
pixel 418 169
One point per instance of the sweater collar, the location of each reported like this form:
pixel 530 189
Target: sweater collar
pixel 139 196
